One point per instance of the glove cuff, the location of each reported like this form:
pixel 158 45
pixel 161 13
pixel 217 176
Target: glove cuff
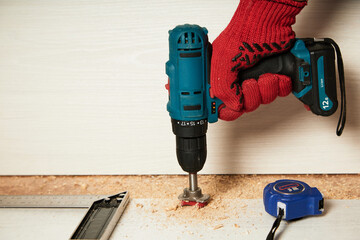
pixel 294 3
pixel 264 20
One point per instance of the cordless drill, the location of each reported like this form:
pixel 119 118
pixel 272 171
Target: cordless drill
pixel 310 63
pixel 190 105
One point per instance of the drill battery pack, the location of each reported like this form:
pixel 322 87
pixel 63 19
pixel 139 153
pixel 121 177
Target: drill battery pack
pixel 315 81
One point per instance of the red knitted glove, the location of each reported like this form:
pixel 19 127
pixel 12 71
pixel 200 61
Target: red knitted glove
pixel 259 28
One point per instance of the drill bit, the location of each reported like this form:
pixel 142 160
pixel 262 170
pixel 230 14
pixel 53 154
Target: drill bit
pixel 193 195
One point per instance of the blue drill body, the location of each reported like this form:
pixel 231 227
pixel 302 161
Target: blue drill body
pixel 188 69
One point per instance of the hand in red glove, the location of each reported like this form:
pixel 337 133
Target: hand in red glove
pixel 259 28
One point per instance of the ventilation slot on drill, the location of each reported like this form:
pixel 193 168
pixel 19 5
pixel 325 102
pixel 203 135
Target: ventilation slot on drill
pixel 192 107
pixel 189 41
pixel 190 54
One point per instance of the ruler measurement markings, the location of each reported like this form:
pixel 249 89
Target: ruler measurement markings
pixel 48 201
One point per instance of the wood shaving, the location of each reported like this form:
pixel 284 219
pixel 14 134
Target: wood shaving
pixel 139 205
pixel 218 226
pixel 174 208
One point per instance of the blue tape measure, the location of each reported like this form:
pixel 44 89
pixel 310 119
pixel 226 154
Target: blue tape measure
pixel 291 199
pixel 296 198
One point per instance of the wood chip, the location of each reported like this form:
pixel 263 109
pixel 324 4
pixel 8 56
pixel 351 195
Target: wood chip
pixel 224 217
pixel 218 226
pixel 174 208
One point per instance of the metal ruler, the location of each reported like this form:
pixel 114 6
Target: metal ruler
pixel 99 221
pixel 48 201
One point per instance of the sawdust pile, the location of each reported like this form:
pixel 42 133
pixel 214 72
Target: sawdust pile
pixel 218 214
pixel 170 186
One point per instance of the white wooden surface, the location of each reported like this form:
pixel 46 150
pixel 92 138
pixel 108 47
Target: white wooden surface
pixel 82 92
pixel 341 221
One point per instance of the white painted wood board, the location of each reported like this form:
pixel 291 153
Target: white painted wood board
pixel 82 92
pixel 340 221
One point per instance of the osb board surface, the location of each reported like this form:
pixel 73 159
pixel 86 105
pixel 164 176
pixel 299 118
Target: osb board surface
pixel 170 186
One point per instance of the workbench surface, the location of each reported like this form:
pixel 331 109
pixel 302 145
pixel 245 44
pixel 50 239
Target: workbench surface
pixel 235 212
pixel 160 219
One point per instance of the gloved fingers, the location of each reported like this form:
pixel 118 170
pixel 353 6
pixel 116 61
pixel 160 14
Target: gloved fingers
pixel 251 93
pixel 222 77
pixel 254 92
pixel 227 114
pixel 307 107
pixel 269 87
pixel 273 85
pixel 285 85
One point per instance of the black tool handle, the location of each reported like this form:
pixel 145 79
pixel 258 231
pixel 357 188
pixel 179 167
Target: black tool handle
pixel 284 64
pixel 279 64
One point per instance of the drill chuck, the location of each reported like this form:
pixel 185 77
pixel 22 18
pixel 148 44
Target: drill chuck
pixel 190 144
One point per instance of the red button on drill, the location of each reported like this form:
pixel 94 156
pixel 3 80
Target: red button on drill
pixel 167 86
